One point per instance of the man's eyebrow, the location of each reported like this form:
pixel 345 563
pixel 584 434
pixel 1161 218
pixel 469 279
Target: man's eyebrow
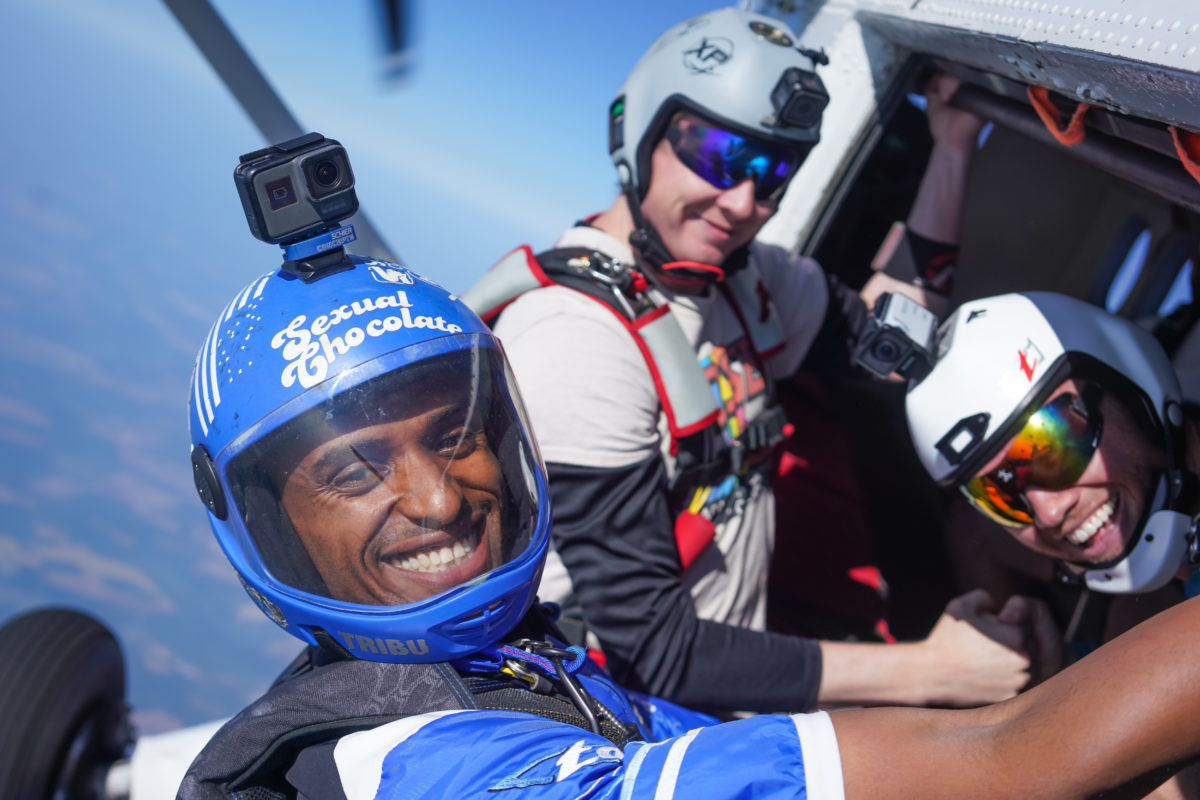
pixel 451 410
pixel 335 454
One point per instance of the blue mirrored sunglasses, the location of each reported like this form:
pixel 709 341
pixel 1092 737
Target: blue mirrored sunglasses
pixel 724 158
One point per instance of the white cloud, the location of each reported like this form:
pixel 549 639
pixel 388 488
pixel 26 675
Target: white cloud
pixel 55 487
pixel 248 612
pixel 18 411
pixel 158 659
pixel 157 506
pixel 49 218
pixel 80 571
pixel 11 497
pixel 21 437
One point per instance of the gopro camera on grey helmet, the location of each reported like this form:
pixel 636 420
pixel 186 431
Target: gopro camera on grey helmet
pixel 296 189
pixel 799 98
pixel 898 338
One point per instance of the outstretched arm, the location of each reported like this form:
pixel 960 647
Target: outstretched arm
pixel 1120 718
pixel 937 209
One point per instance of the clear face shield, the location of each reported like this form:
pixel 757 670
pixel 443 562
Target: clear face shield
pixel 398 489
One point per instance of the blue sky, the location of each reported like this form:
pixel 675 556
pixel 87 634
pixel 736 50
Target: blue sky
pixel 124 238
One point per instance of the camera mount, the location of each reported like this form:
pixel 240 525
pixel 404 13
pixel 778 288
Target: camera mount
pixel 308 258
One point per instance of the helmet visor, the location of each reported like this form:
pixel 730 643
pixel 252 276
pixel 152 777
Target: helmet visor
pixel 725 159
pixel 1051 452
pixel 397 489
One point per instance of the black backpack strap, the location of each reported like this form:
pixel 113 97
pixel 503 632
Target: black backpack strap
pixel 585 270
pixel 510 693
pixel 315 700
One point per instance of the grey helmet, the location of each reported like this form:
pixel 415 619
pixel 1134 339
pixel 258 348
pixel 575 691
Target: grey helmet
pixel 742 70
pixel 998 359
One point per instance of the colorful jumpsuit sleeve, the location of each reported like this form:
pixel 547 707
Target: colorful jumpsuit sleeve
pixel 513 755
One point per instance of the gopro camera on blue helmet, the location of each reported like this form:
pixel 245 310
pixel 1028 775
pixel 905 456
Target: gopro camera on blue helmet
pixel 297 189
pixel 898 338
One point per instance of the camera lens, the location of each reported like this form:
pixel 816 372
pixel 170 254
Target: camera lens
pixel 885 350
pixel 326 172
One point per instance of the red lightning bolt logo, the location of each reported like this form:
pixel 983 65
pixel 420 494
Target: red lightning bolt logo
pixel 1026 367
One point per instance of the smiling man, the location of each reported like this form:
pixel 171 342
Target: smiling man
pixel 389 491
pixel 1065 425
pixel 401 508
pixel 648 345
pixel 1066 491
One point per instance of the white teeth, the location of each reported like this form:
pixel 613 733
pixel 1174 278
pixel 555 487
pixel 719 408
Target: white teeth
pixel 1083 534
pixel 440 558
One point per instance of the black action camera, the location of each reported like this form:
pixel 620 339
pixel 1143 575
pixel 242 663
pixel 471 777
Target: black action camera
pixel 898 338
pixel 296 189
pixel 799 99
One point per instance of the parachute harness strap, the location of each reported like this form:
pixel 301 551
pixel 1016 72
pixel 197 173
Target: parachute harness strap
pixel 534 662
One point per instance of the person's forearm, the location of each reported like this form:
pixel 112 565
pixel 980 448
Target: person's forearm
pixel 937 210
pixel 1128 708
pixel 968 659
pixel 936 214
pixel 861 673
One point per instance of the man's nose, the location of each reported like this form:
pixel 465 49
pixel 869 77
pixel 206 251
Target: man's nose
pixel 1050 506
pixel 425 493
pixel 738 200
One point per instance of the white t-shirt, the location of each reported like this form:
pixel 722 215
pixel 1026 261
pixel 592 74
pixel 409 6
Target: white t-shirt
pixel 593 403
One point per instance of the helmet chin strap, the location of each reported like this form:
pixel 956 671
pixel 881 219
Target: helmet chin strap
pixel 685 276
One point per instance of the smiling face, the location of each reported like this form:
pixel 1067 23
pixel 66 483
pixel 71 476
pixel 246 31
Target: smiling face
pixel 403 508
pixel 696 220
pixel 1092 521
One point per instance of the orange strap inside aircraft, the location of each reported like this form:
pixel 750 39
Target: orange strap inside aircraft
pixel 1039 96
pixel 1187 145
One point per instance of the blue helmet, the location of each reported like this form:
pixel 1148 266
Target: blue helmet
pixel 367 464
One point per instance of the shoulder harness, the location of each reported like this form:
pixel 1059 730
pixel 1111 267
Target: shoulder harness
pixel 702 453
pixel 323 696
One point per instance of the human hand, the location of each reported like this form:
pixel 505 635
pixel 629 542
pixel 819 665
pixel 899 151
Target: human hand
pixel 949 125
pixel 974 657
pixel 1042 640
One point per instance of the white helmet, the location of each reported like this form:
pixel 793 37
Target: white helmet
pixel 740 70
pixel 997 361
